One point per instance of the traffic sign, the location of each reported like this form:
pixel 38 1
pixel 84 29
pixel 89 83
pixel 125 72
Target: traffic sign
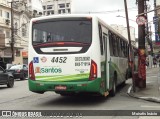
pixel 155 19
pixel 141 20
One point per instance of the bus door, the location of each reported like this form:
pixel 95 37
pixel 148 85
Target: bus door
pixel 106 60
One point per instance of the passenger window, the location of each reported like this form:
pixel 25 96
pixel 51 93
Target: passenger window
pixel 110 44
pixel 100 37
pixel 119 47
pixel 114 45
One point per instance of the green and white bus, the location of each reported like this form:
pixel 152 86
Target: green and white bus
pixel 72 54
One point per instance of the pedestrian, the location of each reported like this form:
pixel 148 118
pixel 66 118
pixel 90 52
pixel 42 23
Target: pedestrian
pixel 147 62
pixel 49 37
pixel 159 62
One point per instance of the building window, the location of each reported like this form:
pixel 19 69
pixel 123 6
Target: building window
pixel 69 11
pixel 48 12
pixel 63 10
pixel 24 30
pixel 15 29
pixel 68 4
pixel 52 12
pixel 59 11
pixel 44 7
pixel 61 5
pixel 44 13
pixel 18 54
pixel 7 34
pixel 7 15
pixel 49 6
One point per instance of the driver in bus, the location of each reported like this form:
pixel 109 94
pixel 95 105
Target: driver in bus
pixel 49 37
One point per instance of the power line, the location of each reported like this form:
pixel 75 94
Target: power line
pixel 111 11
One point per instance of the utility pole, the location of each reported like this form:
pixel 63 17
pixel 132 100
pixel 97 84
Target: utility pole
pixel 147 30
pixel 131 57
pixel 12 29
pixel 148 38
pixel 141 81
pixel 156 24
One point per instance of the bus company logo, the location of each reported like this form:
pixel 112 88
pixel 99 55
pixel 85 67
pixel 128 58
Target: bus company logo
pixel 37 70
pixel 35 59
pixel 43 59
pixel 48 70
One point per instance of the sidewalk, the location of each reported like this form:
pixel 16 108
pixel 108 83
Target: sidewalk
pixel 152 90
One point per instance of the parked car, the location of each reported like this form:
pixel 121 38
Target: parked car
pixel 6 78
pixel 19 71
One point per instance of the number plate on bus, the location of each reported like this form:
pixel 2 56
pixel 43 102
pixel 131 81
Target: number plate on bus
pixel 60 87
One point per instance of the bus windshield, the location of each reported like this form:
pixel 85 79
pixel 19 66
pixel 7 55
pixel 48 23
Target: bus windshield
pixel 77 30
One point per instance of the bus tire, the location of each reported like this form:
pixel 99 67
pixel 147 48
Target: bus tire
pixel 39 92
pixel 23 77
pixel 113 91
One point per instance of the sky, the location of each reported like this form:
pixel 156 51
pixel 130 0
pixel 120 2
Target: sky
pixel 108 10
pixel 36 4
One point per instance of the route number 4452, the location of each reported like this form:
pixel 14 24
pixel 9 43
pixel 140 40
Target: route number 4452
pixel 59 59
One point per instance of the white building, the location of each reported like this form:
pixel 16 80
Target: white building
pixel 158 2
pixel 56 7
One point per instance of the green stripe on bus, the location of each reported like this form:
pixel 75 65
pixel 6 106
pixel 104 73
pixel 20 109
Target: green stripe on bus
pixel 62 78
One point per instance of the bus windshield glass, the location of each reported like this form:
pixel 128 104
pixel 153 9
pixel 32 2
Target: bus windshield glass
pixel 78 30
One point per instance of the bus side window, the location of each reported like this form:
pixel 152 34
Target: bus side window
pixel 104 41
pixel 115 50
pixel 100 37
pixel 104 38
pixel 125 49
pixel 116 46
pixel 122 48
pixel 110 44
pixel 119 47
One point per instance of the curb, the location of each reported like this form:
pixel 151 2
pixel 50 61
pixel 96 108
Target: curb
pixel 151 99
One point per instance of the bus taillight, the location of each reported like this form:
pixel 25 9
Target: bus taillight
pixel 93 71
pixel 31 71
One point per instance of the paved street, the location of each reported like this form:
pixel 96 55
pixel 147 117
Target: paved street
pixel 20 98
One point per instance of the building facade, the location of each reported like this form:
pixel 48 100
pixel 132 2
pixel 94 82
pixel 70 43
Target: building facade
pixel 23 11
pixel 51 7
